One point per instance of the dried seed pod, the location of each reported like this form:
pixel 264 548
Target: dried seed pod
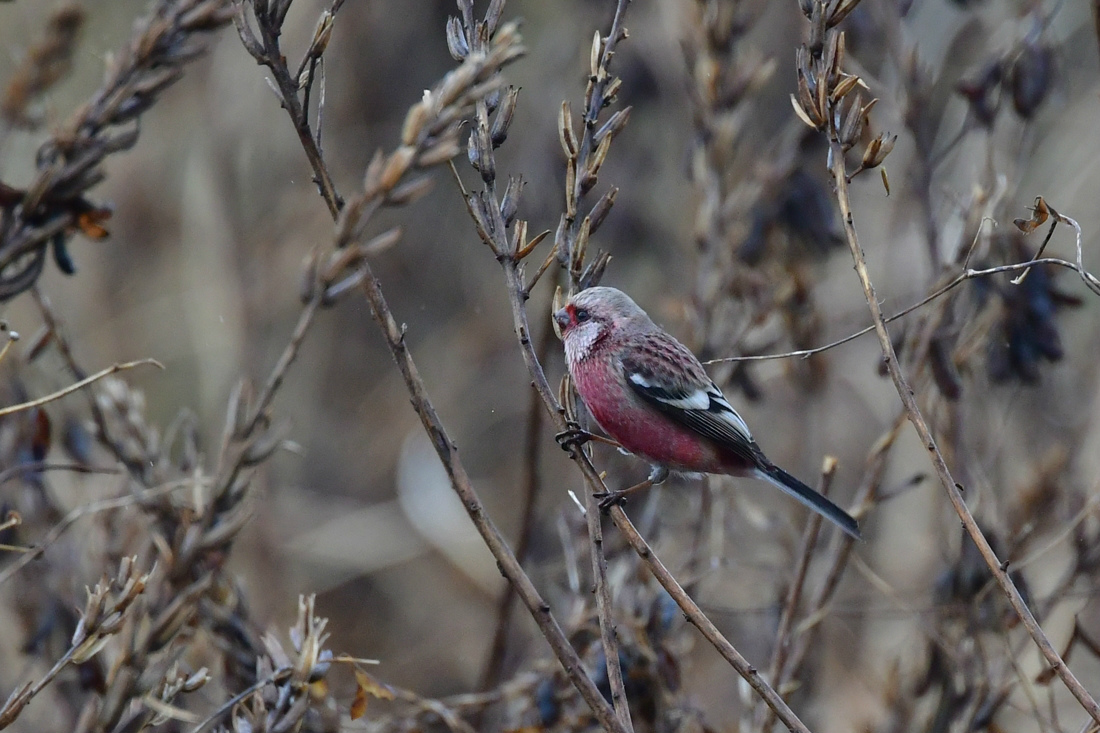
pixel 379 244
pixel 602 207
pixel 526 249
pixel 471 150
pixel 559 241
pixel 321 35
pixel 850 131
pixel 832 58
pixel 594 165
pixel 503 120
pixel 414 123
pixel 594 55
pixel 877 150
pixel 846 84
pixel 492 16
pixel 456 39
pixel 614 125
pixel 396 166
pixel 841 11
pixel 492 100
pixel 565 131
pixel 411 191
pixel 441 152
pixel 817 29
pixel 509 203
pixel 486 164
pixel 580 247
pixel 804 114
pixel 556 305
pixel 262 448
pixel 595 270
pixel 373 174
pixel 238 410
pixel 571 189
pixel 519 240
pixel 611 91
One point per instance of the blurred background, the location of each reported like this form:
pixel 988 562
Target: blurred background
pixel 725 230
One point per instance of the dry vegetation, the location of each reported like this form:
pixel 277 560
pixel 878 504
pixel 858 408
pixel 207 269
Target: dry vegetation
pixel 280 201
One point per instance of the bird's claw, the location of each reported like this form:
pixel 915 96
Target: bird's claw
pixel 574 436
pixel 608 499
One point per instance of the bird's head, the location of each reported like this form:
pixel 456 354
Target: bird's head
pixel 593 315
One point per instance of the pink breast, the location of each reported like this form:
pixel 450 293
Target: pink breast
pixel 639 428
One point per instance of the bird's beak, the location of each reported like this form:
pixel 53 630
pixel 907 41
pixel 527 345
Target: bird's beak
pixel 561 318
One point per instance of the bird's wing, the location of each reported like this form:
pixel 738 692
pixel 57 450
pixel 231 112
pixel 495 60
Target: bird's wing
pixel 666 375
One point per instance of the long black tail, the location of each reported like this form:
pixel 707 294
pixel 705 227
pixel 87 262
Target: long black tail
pixel 790 485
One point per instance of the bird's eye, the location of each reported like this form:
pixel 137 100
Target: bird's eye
pixel 582 315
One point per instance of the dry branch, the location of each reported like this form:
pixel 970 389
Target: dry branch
pixel 823 105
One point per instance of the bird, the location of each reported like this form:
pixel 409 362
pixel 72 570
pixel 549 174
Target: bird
pixel 652 396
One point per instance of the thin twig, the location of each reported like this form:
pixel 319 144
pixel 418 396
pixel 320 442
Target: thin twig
pixel 866 496
pixel 277 676
pixel 460 482
pixel 286 358
pixel 1089 279
pixel 114 368
pixel 82 511
pixel 707 628
pixel 794 592
pixel 606 611
pixel 532 448
pixel 41 466
pixel 908 399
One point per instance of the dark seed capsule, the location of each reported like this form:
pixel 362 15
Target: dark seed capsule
pixel 61 255
pixel 1030 79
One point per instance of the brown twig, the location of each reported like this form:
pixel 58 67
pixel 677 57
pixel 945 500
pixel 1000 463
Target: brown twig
pixel 866 495
pixel 267 52
pixel 113 369
pixel 532 449
pixel 943 473
pixel 794 591
pixel 707 628
pixel 82 511
pixel 969 274
pixel 460 482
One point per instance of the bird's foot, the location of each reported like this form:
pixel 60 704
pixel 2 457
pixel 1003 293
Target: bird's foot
pixel 574 436
pixel 608 499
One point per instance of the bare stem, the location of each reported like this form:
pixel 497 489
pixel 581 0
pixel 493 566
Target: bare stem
pixel 954 493
pixel 968 274
pixel 460 482
pixel 494 665
pixel 798 582
pixel 707 628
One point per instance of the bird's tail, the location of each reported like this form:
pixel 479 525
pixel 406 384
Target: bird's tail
pixel 812 499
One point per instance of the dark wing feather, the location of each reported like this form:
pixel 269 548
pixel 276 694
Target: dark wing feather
pixel 667 376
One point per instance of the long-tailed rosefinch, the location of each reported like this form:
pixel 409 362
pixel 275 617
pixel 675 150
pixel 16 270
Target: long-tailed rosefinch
pixel 649 392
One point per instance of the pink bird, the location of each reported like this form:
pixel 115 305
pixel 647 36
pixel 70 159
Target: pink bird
pixel 649 392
